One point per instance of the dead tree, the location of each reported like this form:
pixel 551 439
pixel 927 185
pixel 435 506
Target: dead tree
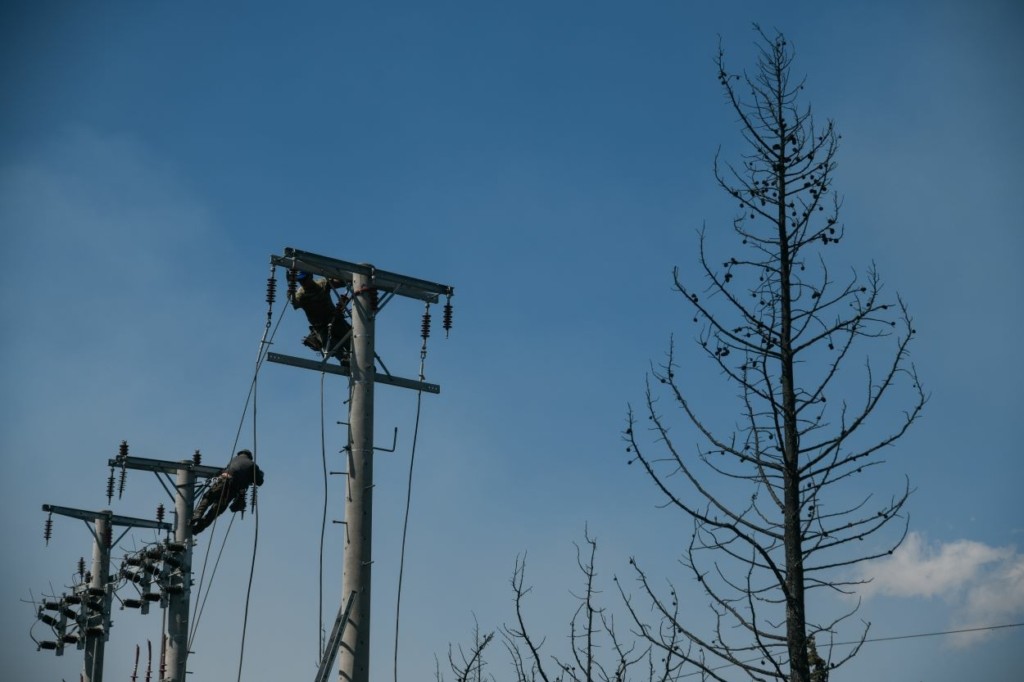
pixel 596 650
pixel 820 368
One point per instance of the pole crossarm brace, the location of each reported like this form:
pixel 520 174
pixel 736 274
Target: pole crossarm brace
pixel 399 285
pixel 380 378
pixel 113 519
pixel 162 466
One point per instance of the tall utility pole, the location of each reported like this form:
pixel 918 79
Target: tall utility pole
pixel 179 586
pixel 358 556
pixel 371 291
pixel 94 616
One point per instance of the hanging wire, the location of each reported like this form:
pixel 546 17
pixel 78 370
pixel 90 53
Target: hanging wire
pixel 323 521
pixel 265 343
pixel 408 491
pixel 199 592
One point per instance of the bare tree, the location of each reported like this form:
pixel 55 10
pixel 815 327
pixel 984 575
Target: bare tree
pixel 596 651
pixel 776 499
pixel 467 666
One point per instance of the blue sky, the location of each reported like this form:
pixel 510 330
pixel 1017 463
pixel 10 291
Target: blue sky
pixel 552 161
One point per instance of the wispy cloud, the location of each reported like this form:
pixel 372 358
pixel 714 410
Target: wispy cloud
pixel 983 585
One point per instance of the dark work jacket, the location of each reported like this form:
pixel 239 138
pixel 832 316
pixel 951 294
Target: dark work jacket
pixel 314 298
pixel 243 471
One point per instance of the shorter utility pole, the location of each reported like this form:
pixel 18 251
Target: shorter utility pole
pixel 178 586
pixel 94 598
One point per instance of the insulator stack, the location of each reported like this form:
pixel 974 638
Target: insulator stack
pixel 48 529
pixel 271 289
pixel 447 317
pixel 108 536
pixel 110 486
pixel 122 451
pixel 252 504
pixel 120 485
pixel 49 620
pixel 160 513
pixel 197 458
pixel 81 567
pixel 292 284
pixel 373 299
pixel 425 324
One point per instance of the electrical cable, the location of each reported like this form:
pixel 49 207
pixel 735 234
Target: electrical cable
pixel 255 542
pixel 323 521
pixel 202 574
pixel 340 304
pixel 213 573
pixel 408 501
pixel 264 345
pixel 890 638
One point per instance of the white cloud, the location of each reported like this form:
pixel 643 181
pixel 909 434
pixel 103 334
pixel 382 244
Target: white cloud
pixel 983 585
pixel 999 599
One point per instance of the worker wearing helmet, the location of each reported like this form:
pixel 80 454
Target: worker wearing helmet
pixel 329 331
pixel 227 490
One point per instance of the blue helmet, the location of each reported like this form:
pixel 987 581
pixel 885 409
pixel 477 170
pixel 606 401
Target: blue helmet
pixel 301 276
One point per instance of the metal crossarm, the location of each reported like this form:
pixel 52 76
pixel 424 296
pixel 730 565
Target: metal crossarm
pixel 161 466
pixel 379 377
pixel 113 519
pixel 334 641
pixel 399 285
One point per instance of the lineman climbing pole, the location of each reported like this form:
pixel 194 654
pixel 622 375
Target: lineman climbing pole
pixel 371 289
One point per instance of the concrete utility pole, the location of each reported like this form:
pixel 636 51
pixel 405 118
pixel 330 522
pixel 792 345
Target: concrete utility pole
pixel 179 585
pixel 179 591
pixel 359 501
pixel 371 289
pixel 94 616
pixel 97 626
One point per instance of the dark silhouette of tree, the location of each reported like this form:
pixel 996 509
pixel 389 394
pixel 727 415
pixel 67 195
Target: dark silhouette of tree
pixel 596 651
pixel 777 500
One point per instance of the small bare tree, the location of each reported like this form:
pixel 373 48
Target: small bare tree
pixel 773 496
pixel 596 651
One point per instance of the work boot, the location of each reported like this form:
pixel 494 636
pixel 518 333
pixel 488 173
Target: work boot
pixel 313 342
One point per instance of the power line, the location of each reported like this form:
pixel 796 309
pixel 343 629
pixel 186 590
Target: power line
pixel 323 523
pixel 890 638
pixel 408 492
pixel 984 628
